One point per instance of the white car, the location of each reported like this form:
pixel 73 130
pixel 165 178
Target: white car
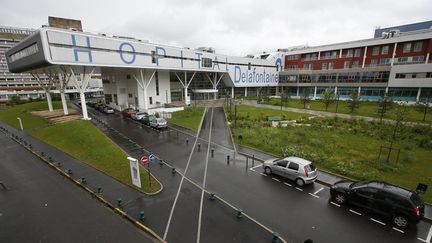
pixel 297 169
pixel 158 123
pixel 108 110
pixel 138 116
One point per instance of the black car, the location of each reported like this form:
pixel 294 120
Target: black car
pixel 402 206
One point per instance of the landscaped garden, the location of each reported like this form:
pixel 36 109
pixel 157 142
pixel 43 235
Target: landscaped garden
pixel 190 117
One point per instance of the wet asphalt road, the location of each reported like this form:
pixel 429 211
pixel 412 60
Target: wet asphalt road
pixel 41 205
pixel 296 213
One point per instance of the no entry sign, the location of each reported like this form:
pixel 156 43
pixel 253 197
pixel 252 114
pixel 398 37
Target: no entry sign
pixel 144 160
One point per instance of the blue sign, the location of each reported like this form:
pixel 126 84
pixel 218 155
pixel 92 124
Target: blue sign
pixel 151 158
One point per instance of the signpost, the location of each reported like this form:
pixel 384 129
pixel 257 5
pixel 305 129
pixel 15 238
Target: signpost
pixel 151 158
pixel 134 168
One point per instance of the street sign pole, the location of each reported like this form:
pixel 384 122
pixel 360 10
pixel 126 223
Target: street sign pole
pixel 148 167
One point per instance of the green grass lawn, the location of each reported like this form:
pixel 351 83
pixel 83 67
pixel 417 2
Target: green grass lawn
pixel 366 108
pixel 85 142
pixel 190 117
pixel 10 114
pixel 346 147
pixel 254 113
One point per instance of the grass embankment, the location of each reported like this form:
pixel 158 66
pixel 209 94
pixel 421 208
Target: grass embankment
pixel 10 114
pixel 80 139
pixel 85 142
pixel 190 117
pixel 346 147
pixel 366 108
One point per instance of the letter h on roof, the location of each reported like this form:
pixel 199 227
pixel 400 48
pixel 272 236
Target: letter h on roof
pixel 76 50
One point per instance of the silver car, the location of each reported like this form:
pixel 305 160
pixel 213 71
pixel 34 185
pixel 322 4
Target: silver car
pixel 158 123
pixel 297 169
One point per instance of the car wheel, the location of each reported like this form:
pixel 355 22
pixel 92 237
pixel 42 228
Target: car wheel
pixel 267 170
pixel 300 182
pixel 400 221
pixel 340 198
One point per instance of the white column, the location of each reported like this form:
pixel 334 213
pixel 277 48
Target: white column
pixel 48 96
pixel 315 91
pixel 364 57
pixel 386 90
pixel 394 54
pixel 245 91
pixel 418 94
pixel 340 53
pixel 359 90
pixel 319 55
pixel 232 92
pixel 83 105
pixel 298 89
pixel 186 94
pixel 427 58
pixel 63 99
pixel 335 90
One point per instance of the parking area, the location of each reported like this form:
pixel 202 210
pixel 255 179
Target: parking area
pixel 273 202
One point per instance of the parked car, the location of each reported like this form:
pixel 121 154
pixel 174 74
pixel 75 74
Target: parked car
pixel 138 116
pixel 297 169
pixel 100 107
pixel 158 123
pixel 147 119
pixel 128 112
pixel 108 110
pixel 402 206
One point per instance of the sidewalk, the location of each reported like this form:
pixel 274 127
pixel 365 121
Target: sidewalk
pixel 324 177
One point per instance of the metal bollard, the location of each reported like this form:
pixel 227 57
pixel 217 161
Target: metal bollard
pixel 50 159
pixel 119 202
pixel 42 154
pixel 83 180
pixel 187 141
pixel 275 238
pixel 253 160
pixel 99 190
pixel 58 164
pixel 199 147
pixel 228 159
pixel 239 213
pixel 69 171
pixel 141 216
pixel 212 152
pixel 247 161
pixel 161 162
pixel 212 196
pixel 173 170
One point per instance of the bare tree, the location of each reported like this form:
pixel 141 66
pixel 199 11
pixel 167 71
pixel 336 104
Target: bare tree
pixel 384 105
pixel 424 105
pixel 305 99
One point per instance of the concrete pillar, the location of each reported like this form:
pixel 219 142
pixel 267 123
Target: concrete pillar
pixel 232 92
pixel 394 54
pixel 48 96
pixel 340 53
pixel 364 57
pixel 64 104
pixel 386 90
pixel 245 91
pixel 315 91
pixel 359 90
pixel 83 105
pixel 319 55
pixel 418 94
pixel 427 58
pixel 186 94
pixel 298 89
pixel 335 90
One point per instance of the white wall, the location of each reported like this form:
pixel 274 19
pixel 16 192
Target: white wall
pixel 410 82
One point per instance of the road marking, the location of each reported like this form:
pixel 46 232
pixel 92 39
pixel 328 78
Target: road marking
pixel 299 189
pixel 182 179
pixel 255 167
pixel 285 183
pixel 204 180
pixel 420 239
pixel 377 221
pixel 263 174
pixel 398 230
pixel 337 205
pixel 355 212
pixel 322 188
pixel 313 195
pixel 276 179
pixel 429 237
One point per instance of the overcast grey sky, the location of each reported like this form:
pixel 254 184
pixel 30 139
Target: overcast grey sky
pixel 235 27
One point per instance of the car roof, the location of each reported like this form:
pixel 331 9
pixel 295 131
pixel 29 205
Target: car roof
pixel 390 188
pixel 298 160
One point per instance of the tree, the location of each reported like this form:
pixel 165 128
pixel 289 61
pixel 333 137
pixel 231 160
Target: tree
pixel 354 101
pixel 424 104
pixel 384 105
pixel 305 99
pixel 328 97
pixel 401 112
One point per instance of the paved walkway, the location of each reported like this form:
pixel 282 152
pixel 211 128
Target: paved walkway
pixel 327 113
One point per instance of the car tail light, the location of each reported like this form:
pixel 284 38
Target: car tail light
pixel 416 211
pixel 306 172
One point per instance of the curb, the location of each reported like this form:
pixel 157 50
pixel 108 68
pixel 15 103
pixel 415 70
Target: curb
pixel 90 191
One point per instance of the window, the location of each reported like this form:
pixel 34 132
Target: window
pixel 151 100
pixel 157 83
pixel 293 166
pixel 308 66
pixel 292 57
pixel 324 66
pixel 400 75
pixel 406 47
pixel 418 59
pixel 355 64
pixel 385 61
pixel 130 95
pixel 249 66
pixel 207 62
pixel 357 53
pixel 292 67
pixel 346 64
pixel 349 53
pixel 153 56
pixel 313 56
pixel 367 192
pixel 307 57
pixel 418 46
pixel 375 51
pixel 330 65
pixel 373 62
pixel 384 50
pixel 334 54
pixel 282 163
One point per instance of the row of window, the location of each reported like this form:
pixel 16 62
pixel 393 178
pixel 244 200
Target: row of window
pixel 414 75
pixel 354 77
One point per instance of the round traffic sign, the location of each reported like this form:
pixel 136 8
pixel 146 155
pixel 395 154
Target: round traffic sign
pixel 151 158
pixel 144 160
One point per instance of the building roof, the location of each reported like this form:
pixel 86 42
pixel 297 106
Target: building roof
pixel 404 28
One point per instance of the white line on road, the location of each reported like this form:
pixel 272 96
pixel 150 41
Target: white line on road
pixel 276 179
pixel 355 212
pixel 204 180
pixel 337 205
pixel 285 183
pixel 429 237
pixel 182 179
pixel 377 221
pixel 398 230
pixel 299 189
pixel 263 174
pixel 420 239
pixel 252 168
pixel 313 195
pixel 322 188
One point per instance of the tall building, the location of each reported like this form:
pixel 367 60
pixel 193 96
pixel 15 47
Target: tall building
pixel 396 63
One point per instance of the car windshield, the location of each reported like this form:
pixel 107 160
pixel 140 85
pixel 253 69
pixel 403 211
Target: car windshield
pixel 357 184
pixel 310 167
pixel 160 120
